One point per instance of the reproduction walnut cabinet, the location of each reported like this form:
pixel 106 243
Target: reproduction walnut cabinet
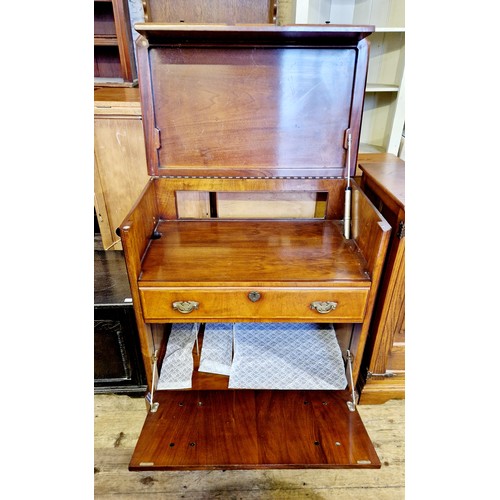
pixel 270 114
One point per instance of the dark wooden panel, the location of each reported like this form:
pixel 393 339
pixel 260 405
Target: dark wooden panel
pixel 107 62
pixel 111 285
pixel 214 11
pixel 104 21
pixel 253 430
pixel 118 366
pixel 111 361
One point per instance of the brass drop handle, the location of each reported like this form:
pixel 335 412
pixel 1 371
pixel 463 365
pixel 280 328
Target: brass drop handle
pixel 323 307
pixel 185 307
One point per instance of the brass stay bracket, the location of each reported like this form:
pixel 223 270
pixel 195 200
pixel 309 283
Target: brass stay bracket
pixel 351 404
pixel 153 406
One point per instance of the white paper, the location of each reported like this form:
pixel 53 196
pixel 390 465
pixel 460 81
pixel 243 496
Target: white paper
pixel 177 368
pixel 290 356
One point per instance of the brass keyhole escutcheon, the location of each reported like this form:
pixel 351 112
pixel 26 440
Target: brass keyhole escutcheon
pixel 254 296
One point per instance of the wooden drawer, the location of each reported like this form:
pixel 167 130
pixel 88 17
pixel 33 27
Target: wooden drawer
pixel 234 303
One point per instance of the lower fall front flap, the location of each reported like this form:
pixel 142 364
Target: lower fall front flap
pixel 253 429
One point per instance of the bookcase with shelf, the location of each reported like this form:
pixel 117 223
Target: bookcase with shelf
pixel 114 58
pixel 383 114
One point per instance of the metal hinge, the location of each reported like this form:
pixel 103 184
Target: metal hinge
pixel 351 404
pixel 401 230
pixel 149 396
pixel 156 138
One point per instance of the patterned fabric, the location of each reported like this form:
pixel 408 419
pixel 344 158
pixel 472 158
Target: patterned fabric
pixel 217 349
pixel 286 356
pixel 177 368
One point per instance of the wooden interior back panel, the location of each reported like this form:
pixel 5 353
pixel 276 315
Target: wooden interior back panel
pixel 253 430
pixel 175 194
pixel 258 205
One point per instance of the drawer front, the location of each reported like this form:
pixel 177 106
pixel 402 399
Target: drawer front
pixel 287 304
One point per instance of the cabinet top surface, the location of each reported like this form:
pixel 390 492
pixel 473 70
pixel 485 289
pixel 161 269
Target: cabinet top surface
pixel 254 100
pixel 120 100
pixel 388 176
pixel 121 95
pixel 232 253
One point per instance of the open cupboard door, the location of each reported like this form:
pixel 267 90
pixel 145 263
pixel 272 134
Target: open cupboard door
pixel 246 429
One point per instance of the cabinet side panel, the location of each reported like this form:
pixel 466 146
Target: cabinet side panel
pixel 371 233
pixel 136 232
pixel 370 230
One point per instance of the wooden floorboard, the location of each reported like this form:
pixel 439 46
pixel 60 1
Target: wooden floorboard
pixel 118 421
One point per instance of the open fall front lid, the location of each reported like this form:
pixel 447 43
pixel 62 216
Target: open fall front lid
pixel 252 100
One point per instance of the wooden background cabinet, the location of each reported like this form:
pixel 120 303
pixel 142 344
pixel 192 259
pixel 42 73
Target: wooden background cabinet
pixel 120 170
pixel 118 365
pixel 383 372
pixel 114 55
